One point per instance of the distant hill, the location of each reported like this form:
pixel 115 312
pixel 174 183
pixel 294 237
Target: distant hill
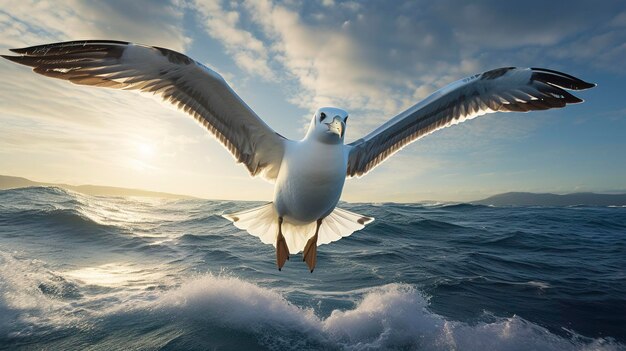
pixel 9 182
pixel 533 199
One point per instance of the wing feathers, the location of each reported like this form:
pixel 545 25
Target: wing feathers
pixel 505 89
pixel 177 78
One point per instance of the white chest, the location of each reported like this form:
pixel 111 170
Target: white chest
pixel 310 181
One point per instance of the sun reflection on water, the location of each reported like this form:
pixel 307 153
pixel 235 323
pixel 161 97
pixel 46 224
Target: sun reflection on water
pixel 113 275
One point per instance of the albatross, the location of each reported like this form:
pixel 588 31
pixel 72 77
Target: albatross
pixel 308 174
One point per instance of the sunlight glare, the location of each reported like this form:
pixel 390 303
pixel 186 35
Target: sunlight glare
pixel 112 275
pixel 146 149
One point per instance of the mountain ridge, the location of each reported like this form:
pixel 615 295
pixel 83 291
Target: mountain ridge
pixel 12 182
pixel 550 199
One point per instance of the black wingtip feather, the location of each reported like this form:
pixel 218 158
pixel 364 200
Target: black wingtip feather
pixel 15 59
pixel 571 99
pixel 560 79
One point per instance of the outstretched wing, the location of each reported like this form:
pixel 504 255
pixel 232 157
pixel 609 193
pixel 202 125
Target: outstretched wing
pixel 504 89
pixel 178 79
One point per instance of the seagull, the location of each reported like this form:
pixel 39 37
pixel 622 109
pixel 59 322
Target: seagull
pixel 308 174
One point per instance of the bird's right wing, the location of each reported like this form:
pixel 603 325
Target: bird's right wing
pixel 178 79
pixel 503 89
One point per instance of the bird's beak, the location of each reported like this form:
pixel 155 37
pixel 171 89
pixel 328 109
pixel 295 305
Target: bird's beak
pixel 336 126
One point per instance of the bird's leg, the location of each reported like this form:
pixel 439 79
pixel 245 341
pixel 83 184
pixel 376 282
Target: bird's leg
pixel 310 250
pixel 282 251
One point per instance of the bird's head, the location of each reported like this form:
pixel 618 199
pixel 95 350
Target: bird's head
pixel 328 125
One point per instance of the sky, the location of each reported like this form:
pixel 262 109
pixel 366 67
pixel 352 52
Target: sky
pixel 287 58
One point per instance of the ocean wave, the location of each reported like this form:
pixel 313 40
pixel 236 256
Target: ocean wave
pixel 606 224
pixel 53 216
pixel 200 220
pixel 40 190
pixel 431 224
pixel 33 297
pixel 119 211
pixel 516 240
pixel 387 317
pixel 39 197
pixel 45 224
pixel 463 207
pixel 41 214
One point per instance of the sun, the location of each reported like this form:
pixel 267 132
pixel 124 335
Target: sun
pixel 142 155
pixel 146 150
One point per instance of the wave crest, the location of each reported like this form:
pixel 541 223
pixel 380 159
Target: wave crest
pixel 390 316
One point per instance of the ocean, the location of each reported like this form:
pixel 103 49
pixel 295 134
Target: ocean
pixel 111 273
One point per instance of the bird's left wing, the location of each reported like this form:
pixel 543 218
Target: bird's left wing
pixel 504 89
pixel 178 79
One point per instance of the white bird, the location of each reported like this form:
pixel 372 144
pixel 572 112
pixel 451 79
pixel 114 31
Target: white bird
pixel 309 174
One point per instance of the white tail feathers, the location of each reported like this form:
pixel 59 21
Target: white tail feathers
pixel 262 222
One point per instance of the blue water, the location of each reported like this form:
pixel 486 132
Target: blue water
pixel 111 273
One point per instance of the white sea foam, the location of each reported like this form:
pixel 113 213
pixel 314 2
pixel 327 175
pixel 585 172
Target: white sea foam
pixel 27 296
pixel 538 284
pixel 391 316
pixel 234 303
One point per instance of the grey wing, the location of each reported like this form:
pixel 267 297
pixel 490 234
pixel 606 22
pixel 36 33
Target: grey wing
pixel 178 79
pixel 505 89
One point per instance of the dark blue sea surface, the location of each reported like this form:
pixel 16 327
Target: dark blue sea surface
pixel 109 273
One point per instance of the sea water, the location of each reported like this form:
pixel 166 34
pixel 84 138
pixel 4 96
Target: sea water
pixel 84 272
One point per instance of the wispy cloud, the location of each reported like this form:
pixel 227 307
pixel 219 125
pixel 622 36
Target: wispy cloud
pixel 31 22
pixel 249 52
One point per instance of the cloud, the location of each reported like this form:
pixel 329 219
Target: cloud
pixel 31 22
pixel 605 50
pixel 496 24
pixel 249 52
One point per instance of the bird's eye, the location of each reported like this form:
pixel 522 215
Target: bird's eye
pixel 322 116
